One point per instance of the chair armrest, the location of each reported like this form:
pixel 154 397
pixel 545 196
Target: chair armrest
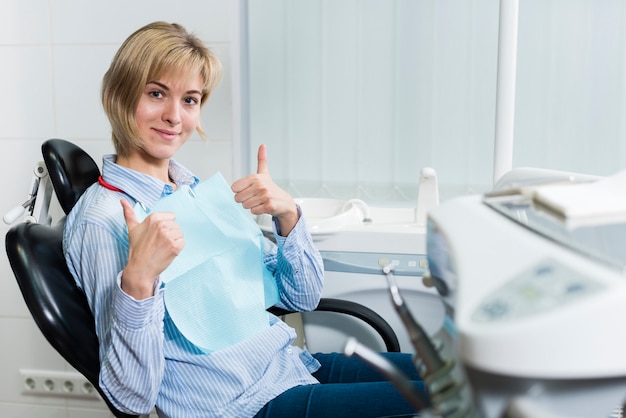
pixel 358 311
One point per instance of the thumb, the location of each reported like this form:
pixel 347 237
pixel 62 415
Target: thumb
pixel 129 214
pixel 262 160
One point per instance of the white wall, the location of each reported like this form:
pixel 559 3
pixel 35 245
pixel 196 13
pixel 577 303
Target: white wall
pixel 53 54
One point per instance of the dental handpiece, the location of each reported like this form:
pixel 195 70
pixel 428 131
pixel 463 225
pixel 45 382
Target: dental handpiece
pixel 424 348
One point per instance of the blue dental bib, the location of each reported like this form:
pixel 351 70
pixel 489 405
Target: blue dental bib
pixel 217 289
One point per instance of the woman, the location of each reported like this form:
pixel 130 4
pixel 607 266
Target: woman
pixel 119 250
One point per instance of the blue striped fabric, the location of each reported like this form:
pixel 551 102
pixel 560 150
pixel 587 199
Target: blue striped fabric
pixel 145 361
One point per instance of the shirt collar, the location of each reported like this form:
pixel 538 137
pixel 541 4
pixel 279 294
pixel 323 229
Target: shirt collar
pixel 143 187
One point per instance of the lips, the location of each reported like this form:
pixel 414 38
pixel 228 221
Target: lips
pixel 166 133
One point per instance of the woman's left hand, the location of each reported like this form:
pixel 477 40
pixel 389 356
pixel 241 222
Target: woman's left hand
pixel 258 193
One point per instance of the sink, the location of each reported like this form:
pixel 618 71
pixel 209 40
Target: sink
pixel 325 216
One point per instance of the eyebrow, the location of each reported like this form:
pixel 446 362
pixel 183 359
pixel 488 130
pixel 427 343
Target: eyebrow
pixel 165 87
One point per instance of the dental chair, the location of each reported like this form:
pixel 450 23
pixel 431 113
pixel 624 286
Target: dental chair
pixel 59 307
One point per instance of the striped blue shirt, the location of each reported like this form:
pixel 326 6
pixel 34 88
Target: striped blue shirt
pixel 145 360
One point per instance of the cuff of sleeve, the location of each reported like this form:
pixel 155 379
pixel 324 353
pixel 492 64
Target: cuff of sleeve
pixel 277 231
pixel 296 238
pixel 136 314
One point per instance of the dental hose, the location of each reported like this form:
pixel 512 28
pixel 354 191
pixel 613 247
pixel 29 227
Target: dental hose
pixel 407 389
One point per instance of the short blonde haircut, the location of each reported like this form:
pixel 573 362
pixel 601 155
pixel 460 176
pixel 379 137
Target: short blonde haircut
pixel 152 51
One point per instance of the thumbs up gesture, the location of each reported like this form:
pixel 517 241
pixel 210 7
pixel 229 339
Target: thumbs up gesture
pixel 154 243
pixel 260 194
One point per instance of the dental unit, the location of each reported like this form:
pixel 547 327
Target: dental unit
pixel 532 309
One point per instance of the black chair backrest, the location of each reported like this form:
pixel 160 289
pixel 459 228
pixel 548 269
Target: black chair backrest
pixel 71 171
pixel 35 252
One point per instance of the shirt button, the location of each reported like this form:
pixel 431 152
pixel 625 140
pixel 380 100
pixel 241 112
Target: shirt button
pixel 289 350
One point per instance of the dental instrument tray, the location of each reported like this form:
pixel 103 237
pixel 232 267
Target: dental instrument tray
pixel 588 217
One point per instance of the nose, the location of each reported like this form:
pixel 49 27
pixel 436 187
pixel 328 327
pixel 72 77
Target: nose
pixel 171 113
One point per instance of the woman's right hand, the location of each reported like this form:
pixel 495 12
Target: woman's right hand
pixel 154 243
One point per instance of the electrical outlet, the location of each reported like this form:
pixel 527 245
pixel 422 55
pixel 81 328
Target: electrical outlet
pixel 56 383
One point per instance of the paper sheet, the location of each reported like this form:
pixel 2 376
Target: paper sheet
pixel 601 201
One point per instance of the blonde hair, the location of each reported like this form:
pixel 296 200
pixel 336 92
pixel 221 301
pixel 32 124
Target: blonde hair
pixel 152 51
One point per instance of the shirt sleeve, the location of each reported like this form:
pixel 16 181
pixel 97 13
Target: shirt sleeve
pixel 297 267
pixel 130 331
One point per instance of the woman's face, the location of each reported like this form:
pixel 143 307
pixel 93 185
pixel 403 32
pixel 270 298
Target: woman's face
pixel 167 114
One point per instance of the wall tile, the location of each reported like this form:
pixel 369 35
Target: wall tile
pixel 24 22
pixel 112 21
pixel 53 411
pixel 27 88
pixel 28 411
pixel 78 72
pixel 24 347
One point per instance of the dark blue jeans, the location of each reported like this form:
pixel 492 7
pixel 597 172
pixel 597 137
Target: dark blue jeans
pixel 350 388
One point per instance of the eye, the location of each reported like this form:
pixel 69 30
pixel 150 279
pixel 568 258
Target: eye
pixel 191 100
pixel 156 94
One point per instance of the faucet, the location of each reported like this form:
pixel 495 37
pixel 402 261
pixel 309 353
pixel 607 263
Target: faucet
pixel 427 194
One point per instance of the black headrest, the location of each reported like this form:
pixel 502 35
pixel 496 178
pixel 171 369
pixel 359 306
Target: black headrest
pixel 71 170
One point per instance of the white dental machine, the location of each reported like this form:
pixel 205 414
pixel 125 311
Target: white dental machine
pixel 532 276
